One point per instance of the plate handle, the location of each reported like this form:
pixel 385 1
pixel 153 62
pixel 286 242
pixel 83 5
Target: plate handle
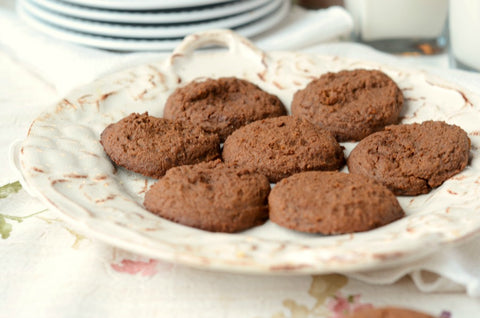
pixel 235 43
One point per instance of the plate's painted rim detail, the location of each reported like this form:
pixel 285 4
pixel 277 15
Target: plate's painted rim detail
pixel 151 17
pixel 141 44
pixel 62 162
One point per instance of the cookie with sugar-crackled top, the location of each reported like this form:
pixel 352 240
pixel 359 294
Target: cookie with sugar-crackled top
pixel 211 196
pixel 414 158
pixel 222 105
pixel 350 104
pixel 151 145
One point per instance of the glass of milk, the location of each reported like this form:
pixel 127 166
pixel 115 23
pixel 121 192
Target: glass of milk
pixel 464 25
pixel 401 26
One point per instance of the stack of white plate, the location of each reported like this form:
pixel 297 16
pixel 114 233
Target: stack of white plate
pixel 144 25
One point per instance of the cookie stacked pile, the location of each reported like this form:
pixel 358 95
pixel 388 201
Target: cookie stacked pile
pixel 300 153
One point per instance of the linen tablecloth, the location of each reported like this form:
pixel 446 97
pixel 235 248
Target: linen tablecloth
pixel 48 269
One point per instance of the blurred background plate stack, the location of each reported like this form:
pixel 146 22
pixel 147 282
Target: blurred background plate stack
pixel 147 25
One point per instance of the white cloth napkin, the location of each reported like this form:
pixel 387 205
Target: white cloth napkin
pixel 449 270
pixel 66 66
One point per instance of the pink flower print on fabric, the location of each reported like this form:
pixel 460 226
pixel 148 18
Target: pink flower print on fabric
pixel 445 314
pixel 341 306
pixel 134 267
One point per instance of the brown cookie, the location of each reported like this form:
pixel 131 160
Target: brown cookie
pixel 211 196
pixel 279 147
pixel 222 105
pixel 151 145
pixel 388 312
pixel 330 202
pixel 412 159
pixel 350 104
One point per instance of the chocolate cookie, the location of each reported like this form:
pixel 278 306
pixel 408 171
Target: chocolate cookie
pixel 211 196
pixel 150 145
pixel 350 104
pixel 330 202
pixel 222 105
pixel 281 146
pixel 412 159
pixel 388 312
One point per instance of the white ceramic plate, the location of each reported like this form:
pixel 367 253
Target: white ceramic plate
pixel 63 162
pixel 147 32
pixel 146 4
pixel 130 44
pixel 150 17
